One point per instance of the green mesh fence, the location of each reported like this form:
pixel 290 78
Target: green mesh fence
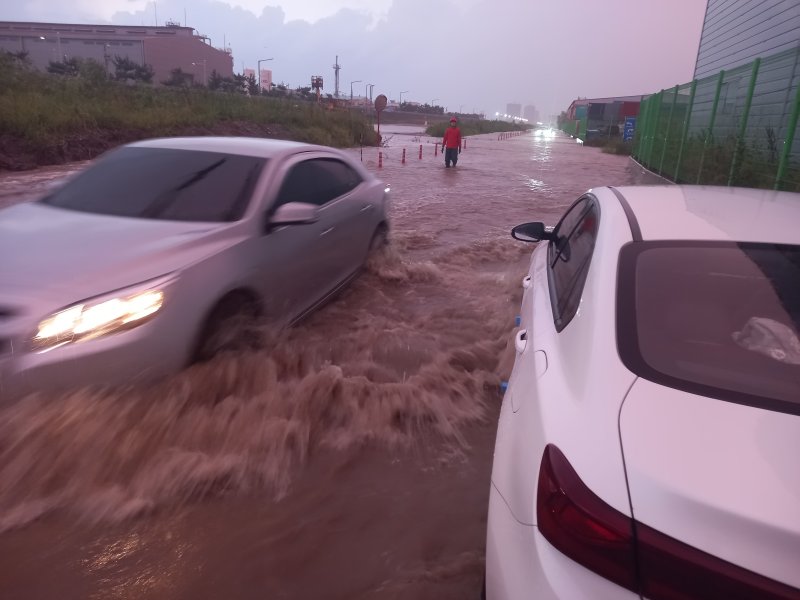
pixel 576 128
pixel 735 128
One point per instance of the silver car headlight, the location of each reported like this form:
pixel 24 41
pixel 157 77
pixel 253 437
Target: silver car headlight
pixel 103 315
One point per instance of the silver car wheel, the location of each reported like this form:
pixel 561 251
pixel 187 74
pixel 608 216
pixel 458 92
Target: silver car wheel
pixel 232 326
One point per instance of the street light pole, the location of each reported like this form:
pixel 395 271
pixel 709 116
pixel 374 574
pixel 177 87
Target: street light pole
pixel 401 96
pixel 366 93
pixel 432 101
pixel 351 89
pixel 258 66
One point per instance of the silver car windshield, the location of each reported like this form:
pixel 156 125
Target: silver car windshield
pixel 717 319
pixel 163 183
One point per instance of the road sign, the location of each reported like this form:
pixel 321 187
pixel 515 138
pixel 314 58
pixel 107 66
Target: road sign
pixel 629 129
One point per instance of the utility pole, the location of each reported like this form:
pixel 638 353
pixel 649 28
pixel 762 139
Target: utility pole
pixel 336 68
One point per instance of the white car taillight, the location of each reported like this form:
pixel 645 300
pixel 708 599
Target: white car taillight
pixel 637 557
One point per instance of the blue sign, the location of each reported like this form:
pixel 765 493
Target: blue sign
pixel 630 127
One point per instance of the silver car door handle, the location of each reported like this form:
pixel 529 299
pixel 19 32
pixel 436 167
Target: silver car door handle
pixel 327 231
pixel 366 207
pixel 521 340
pixel 526 282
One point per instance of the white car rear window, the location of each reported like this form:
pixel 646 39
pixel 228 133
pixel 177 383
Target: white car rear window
pixel 716 319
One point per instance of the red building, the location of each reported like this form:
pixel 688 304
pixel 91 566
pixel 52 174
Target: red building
pixel 163 48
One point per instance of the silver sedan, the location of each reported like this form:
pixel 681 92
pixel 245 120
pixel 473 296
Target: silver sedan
pixel 136 266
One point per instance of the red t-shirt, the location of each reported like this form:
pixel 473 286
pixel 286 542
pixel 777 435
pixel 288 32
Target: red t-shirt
pixel 452 138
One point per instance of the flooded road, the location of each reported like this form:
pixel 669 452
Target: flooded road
pixel 348 459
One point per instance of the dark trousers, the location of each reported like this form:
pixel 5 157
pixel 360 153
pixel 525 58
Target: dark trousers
pixel 450 155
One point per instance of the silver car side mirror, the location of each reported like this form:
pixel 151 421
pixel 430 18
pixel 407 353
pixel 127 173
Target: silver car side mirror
pixel 294 213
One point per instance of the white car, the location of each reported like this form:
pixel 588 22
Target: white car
pixel 145 261
pixel 648 444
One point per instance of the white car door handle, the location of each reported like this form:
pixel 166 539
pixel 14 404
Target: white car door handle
pixel 366 207
pixel 521 340
pixel 327 231
pixel 526 282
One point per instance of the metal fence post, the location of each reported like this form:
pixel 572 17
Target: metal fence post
pixel 743 125
pixel 636 137
pixel 638 140
pixel 787 143
pixel 645 131
pixel 654 126
pixel 651 114
pixel 685 129
pixel 666 135
pixel 641 129
pixel 711 123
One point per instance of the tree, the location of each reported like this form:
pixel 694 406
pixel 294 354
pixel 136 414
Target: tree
pixel 69 68
pixel 20 58
pixel 215 80
pixel 92 71
pixel 145 73
pixel 126 69
pixel 240 83
pixel 304 91
pixel 230 85
pixel 252 85
pixel 177 78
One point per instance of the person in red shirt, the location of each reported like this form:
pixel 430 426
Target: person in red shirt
pixel 451 143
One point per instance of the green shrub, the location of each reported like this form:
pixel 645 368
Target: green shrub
pixel 46 110
pixel 475 127
pixel 617 146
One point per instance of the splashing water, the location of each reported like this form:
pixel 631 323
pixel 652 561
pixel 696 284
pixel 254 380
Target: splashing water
pixel 412 354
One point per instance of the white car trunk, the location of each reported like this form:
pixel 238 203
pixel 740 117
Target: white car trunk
pixel 721 477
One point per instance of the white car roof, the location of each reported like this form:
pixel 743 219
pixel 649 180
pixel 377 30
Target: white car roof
pixel 261 147
pixel 675 212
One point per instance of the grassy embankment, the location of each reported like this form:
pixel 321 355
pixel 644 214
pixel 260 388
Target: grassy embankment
pixel 47 119
pixel 475 127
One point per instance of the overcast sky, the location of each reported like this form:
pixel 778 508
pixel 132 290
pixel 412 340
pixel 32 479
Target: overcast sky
pixel 470 54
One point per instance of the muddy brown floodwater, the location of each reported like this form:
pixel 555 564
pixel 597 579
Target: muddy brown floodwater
pixel 348 459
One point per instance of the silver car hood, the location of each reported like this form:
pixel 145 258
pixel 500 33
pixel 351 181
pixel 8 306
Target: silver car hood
pixel 64 255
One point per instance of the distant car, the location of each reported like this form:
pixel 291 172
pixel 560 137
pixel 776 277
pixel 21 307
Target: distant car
pixel 648 441
pixel 139 264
